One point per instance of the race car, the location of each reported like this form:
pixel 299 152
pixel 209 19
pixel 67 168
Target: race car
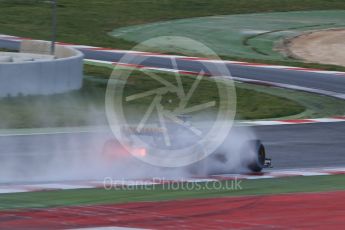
pixel 230 157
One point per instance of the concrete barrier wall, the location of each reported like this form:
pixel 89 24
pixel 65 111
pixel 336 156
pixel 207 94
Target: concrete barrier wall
pixel 42 77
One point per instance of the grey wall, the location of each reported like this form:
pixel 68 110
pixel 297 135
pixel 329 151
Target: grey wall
pixel 42 77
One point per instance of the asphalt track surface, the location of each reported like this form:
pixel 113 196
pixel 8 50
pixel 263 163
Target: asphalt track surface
pixel 290 146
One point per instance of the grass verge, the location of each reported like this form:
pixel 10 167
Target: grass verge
pixel 251 104
pixel 316 106
pixel 160 192
pixel 86 107
pixel 6 50
pixel 254 36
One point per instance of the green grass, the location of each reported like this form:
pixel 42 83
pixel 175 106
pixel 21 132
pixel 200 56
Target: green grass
pixel 85 107
pixel 77 108
pixel 159 193
pixel 6 50
pixel 259 105
pixel 316 106
pixel 251 104
pixel 88 22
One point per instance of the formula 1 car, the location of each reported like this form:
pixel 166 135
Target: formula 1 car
pixel 250 155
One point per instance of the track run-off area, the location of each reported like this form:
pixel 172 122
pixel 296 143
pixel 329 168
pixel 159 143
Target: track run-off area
pixel 284 211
